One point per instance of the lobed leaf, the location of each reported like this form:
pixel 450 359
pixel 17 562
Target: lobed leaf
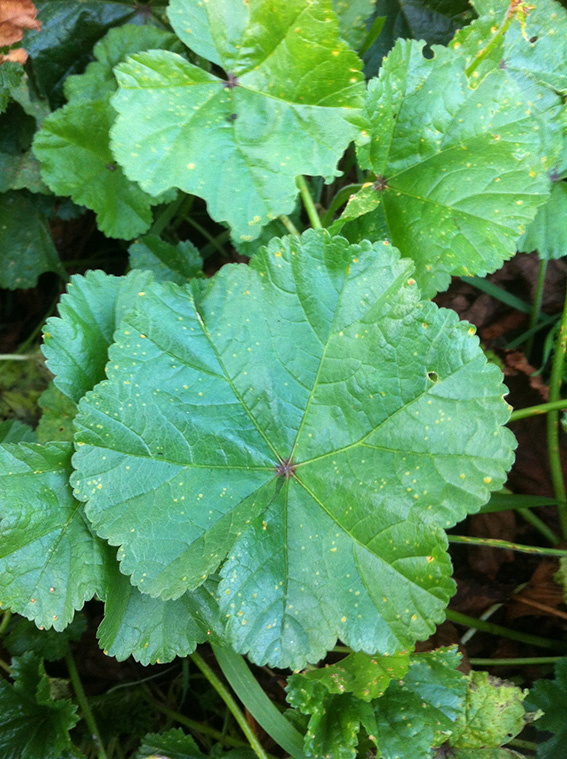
pixel 309 418
pixel 50 560
pixel 73 148
pixel 26 247
pixel 456 192
pixel 33 723
pixel 549 696
pixel 76 343
pixel 176 263
pixel 287 106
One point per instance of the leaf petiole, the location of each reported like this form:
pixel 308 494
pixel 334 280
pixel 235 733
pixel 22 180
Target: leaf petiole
pixel 542 408
pixel 505 632
pixel 85 706
pixel 308 202
pixel 493 543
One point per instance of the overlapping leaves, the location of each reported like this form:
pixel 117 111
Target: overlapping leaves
pixel 285 106
pixel 458 173
pixel 305 417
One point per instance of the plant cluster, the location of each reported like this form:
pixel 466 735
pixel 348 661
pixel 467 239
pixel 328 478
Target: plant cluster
pixel 269 458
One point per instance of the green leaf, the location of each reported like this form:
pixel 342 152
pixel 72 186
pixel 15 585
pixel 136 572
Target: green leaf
pixel 458 191
pixel 420 711
pixel 353 15
pixel 173 743
pixel 548 232
pixel 337 698
pixel 26 247
pixel 493 713
pixel 69 29
pixel 176 263
pixel 32 723
pixel 13 431
pixel 24 636
pixel 550 696
pixel 76 343
pixel 73 148
pixel 98 81
pixel 434 21
pixel 155 631
pixel 56 421
pixel 240 144
pixel 50 561
pixel 318 425
pixel 21 172
pixel 11 74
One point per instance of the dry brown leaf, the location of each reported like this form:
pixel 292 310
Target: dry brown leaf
pixel 542 596
pixel 15 17
pixel 18 55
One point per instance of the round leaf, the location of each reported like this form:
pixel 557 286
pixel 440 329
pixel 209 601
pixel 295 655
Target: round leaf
pixel 308 417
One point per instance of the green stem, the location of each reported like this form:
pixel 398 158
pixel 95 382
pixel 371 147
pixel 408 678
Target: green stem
pixel 493 543
pixel 18 357
pixel 553 422
pixel 543 529
pixel 308 202
pixel 485 286
pixel 339 200
pixel 530 745
pixel 5 667
pixel 6 617
pixel 212 240
pixel 504 632
pixel 538 297
pixel 521 661
pixel 198 727
pixel 226 696
pixel 85 707
pixel 167 215
pixel 542 408
pixel 482 54
pixel 288 224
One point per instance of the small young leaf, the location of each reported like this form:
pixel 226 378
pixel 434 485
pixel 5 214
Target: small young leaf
pixel 32 723
pixel 320 426
pixel 353 15
pixel 76 343
pixel 168 263
pixel 73 148
pixel 51 562
pixel 240 141
pixel 493 713
pixel 26 247
pixel 173 743
pixel 459 190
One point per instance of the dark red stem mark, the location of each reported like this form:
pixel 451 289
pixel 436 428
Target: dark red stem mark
pixel 380 184
pixel 285 469
pixel 231 82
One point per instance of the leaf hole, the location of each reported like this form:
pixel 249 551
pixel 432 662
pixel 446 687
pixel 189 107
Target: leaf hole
pixel 433 376
pixel 533 39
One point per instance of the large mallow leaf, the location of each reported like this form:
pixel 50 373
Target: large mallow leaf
pixel 458 170
pixel 286 105
pixel 50 560
pixel 310 419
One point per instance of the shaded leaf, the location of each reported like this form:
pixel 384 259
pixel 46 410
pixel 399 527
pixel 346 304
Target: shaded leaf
pixel 24 636
pixel 172 743
pixel 548 232
pixel 74 152
pixel 32 723
pixel 176 263
pixel 11 74
pixel 26 247
pixel 458 191
pixel 550 696
pixel 267 121
pixel 98 80
pixel 155 631
pixel 50 561
pixel 76 343
pixel 56 422
pixel 13 431
pixel 242 424
pixel 69 29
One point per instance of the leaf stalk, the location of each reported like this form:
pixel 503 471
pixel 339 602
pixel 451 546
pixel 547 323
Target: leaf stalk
pixel 308 202
pixel 505 632
pixel 85 706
